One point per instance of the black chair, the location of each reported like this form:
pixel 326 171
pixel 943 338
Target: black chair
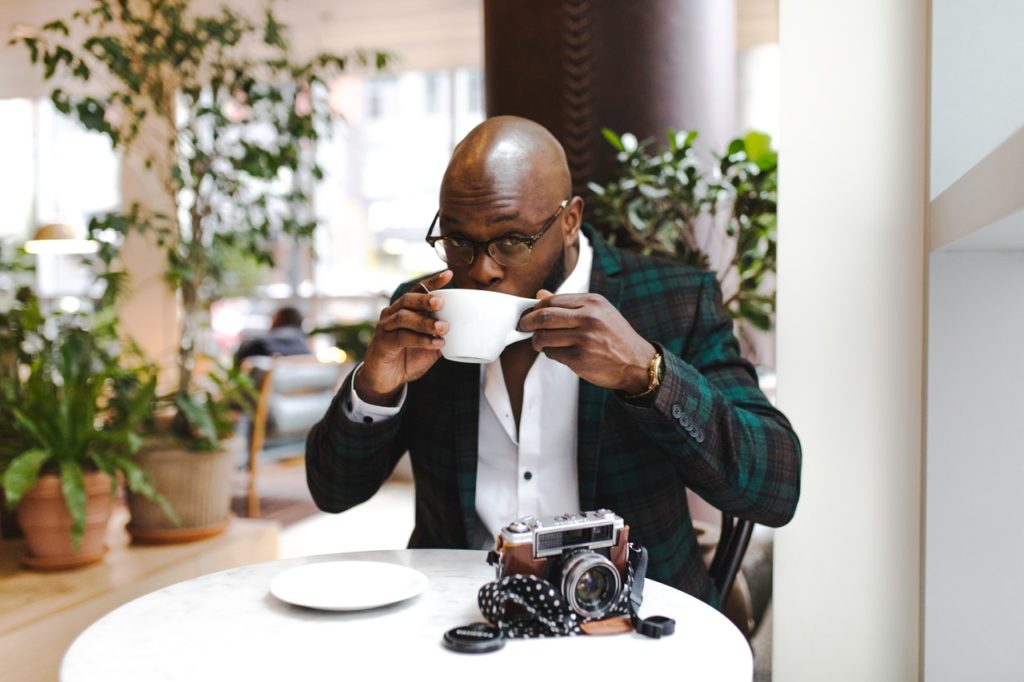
pixel 732 545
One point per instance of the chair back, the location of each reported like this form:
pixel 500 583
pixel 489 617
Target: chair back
pixel 733 540
pixel 294 394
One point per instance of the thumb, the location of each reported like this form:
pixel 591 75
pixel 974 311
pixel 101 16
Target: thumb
pixel 544 293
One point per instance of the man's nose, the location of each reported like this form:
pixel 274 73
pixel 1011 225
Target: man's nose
pixel 484 271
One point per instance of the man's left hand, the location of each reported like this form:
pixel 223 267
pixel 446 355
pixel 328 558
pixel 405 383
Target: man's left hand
pixel 586 333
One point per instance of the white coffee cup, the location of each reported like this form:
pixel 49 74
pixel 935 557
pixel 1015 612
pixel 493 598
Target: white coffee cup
pixel 480 323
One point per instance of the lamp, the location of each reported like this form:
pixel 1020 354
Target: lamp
pixel 59 238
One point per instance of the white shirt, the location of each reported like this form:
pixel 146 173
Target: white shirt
pixel 532 472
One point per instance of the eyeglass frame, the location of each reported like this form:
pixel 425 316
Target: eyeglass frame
pixel 486 245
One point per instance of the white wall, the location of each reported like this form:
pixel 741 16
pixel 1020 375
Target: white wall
pixel 850 336
pixel 973 608
pixel 977 82
pixel 974 587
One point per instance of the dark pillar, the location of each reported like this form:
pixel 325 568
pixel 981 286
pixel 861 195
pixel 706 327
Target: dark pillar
pixel 640 66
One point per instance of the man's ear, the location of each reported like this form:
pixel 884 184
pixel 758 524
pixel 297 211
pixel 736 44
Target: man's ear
pixel 573 219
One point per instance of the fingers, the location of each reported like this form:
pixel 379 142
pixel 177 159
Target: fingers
pixel 549 339
pixel 437 281
pixel 413 300
pixel 551 318
pixel 419 298
pixel 405 319
pixel 405 339
pixel 567 356
pixel 547 299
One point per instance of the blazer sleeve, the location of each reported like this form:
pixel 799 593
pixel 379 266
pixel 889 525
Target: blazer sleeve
pixel 347 461
pixel 731 446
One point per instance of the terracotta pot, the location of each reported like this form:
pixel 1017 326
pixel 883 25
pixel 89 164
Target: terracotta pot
pixel 197 485
pixel 9 527
pixel 46 522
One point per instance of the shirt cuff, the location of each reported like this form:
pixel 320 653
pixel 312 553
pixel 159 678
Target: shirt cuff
pixel 358 410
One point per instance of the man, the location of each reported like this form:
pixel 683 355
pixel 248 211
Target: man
pixel 630 390
pixel 285 337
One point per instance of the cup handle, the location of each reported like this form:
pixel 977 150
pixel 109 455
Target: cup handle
pixel 516 335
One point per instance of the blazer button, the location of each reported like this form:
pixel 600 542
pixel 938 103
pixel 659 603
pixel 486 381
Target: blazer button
pixel 677 412
pixel 685 421
pixel 700 437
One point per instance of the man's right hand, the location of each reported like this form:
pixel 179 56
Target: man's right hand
pixel 406 343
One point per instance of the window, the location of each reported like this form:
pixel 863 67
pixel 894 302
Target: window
pixel 54 170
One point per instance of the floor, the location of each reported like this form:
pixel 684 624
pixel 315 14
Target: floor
pixel 385 522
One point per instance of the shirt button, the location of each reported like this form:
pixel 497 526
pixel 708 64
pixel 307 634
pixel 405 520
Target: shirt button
pixel 527 475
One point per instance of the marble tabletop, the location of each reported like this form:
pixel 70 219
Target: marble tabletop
pixel 228 626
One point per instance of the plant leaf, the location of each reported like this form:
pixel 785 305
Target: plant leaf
pixel 72 484
pixel 613 139
pixel 21 474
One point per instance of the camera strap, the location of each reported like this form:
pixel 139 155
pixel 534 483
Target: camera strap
pixel 528 606
pixel 655 627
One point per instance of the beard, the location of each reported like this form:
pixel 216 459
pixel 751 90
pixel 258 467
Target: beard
pixel 556 275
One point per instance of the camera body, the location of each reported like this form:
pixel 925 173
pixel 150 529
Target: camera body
pixel 584 553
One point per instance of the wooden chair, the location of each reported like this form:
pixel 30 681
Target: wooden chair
pixel 293 394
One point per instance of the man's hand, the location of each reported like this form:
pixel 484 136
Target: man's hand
pixel 586 333
pixel 406 343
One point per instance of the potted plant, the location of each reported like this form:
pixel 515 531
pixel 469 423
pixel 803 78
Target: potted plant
pixel 74 398
pixel 722 218
pixel 236 118
pixel 16 270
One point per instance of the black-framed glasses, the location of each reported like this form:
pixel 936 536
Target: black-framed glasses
pixel 508 250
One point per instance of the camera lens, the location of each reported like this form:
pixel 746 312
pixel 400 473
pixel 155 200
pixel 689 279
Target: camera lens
pixel 591 583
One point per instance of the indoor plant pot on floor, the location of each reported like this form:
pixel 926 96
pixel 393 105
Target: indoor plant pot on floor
pixel 73 403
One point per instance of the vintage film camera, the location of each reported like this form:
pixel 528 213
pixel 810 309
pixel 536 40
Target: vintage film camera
pixel 585 554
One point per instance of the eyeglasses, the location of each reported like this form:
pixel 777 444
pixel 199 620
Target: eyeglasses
pixel 508 250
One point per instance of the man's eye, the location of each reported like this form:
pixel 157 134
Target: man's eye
pixel 511 241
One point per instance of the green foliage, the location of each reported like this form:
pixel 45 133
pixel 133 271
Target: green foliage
pixel 226 120
pixel 209 415
pixel 73 397
pixel 660 199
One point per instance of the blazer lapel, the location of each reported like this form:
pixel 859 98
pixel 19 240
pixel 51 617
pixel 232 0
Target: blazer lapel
pixel 603 281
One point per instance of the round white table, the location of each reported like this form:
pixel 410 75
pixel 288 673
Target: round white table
pixel 227 626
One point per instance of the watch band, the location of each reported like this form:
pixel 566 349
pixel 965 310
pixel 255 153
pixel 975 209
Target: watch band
pixel 654 374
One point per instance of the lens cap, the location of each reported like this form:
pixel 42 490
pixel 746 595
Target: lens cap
pixel 475 638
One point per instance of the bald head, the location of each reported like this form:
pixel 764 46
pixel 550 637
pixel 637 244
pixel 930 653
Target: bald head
pixel 508 153
pixel 509 178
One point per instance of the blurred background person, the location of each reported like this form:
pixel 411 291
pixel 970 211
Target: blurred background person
pixel 285 337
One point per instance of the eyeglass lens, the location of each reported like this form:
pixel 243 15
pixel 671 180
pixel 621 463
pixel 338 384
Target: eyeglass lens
pixel 504 251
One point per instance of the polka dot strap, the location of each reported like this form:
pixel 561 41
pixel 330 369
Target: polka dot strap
pixel 528 606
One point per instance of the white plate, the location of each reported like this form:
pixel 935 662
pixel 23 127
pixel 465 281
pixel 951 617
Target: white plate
pixel 347 585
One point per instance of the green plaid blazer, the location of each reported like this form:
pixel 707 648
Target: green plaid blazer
pixel 708 428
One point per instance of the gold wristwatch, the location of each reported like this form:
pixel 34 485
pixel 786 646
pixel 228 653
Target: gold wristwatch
pixel 655 371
